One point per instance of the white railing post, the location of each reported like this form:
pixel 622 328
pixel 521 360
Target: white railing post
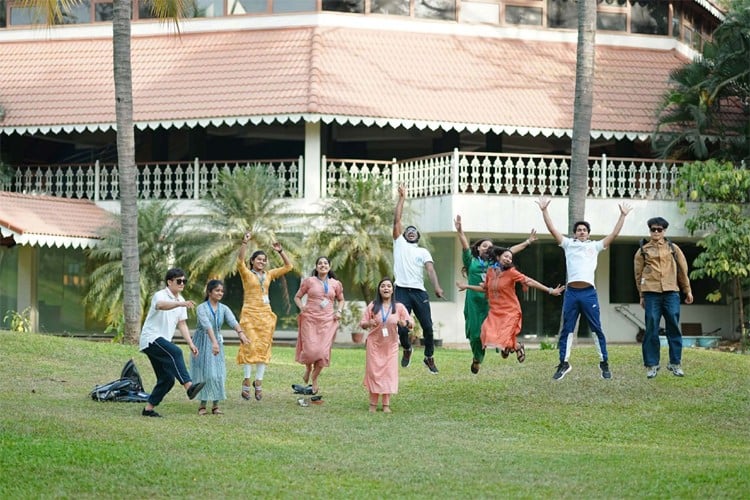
pixel 97 183
pixel 603 175
pixel 454 171
pixel 196 179
pixel 323 176
pixel 301 175
pixel 394 177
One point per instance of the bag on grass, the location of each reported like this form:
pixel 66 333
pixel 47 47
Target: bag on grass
pixel 128 388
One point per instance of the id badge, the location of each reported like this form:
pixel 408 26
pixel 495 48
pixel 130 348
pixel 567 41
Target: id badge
pixel 484 276
pixel 385 332
pixel 266 300
pixel 324 303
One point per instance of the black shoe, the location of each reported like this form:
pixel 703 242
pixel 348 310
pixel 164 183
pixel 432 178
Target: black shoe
pixel 475 367
pixel 194 389
pixel 562 369
pixel 604 367
pixel 406 359
pixel 149 413
pixel 430 364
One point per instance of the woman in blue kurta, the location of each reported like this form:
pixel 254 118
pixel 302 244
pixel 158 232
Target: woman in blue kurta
pixel 210 365
pixel 476 261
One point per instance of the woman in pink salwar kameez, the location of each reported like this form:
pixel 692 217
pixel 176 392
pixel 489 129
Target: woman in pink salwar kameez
pixel 318 319
pixel 382 318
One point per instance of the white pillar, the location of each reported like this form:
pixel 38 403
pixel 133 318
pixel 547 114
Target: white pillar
pixel 28 274
pixel 313 174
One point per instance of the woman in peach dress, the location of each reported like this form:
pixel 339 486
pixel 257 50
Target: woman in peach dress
pixel 257 319
pixel 382 318
pixel 503 323
pixel 318 319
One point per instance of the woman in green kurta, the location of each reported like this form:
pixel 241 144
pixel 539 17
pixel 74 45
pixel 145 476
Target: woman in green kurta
pixel 476 262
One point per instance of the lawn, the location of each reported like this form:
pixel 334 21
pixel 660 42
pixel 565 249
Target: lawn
pixel 510 431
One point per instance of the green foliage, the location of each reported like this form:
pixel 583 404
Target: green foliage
pixel 18 321
pixel 356 236
pixel 157 232
pixel 117 329
pixel 723 221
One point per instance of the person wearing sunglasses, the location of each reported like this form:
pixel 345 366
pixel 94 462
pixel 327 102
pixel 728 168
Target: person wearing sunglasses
pixel 661 272
pixel 167 312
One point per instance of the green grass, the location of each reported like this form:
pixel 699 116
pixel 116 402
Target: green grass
pixel 508 432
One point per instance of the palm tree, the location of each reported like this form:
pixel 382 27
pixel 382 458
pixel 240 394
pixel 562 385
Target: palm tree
pixel 582 111
pixel 356 236
pixel 243 200
pixel 158 232
pixel 53 11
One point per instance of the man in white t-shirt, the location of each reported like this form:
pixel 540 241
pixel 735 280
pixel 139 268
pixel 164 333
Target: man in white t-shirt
pixel 168 311
pixel 409 263
pixel 581 255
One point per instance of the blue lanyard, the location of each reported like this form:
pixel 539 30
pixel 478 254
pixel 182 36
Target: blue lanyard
pixel 325 285
pixel 384 315
pixel 216 317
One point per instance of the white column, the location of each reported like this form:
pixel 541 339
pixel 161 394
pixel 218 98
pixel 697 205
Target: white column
pixel 314 177
pixel 28 274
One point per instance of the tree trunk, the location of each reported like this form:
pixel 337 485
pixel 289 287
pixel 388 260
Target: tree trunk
pixel 582 110
pixel 127 170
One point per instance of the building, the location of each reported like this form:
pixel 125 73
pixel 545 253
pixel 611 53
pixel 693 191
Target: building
pixel 467 102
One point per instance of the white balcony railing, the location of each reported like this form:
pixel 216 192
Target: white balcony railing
pixel 456 172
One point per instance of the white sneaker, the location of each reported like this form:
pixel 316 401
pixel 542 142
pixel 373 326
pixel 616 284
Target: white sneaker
pixel 676 370
pixel 651 373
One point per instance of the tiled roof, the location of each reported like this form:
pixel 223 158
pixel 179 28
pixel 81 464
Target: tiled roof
pixel 342 74
pixel 47 220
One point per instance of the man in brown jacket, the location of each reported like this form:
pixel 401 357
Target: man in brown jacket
pixel 661 272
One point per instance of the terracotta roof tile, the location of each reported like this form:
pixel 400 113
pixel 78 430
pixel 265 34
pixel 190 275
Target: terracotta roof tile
pixel 52 221
pixel 456 81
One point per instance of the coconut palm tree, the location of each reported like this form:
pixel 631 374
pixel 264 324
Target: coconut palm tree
pixel 582 111
pixel 53 12
pixel 158 232
pixel 356 233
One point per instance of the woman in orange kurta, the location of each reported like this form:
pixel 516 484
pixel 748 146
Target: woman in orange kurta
pixel 382 318
pixel 257 319
pixel 503 323
pixel 318 320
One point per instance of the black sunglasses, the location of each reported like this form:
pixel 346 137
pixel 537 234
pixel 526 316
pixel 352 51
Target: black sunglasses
pixel 656 229
pixel 181 281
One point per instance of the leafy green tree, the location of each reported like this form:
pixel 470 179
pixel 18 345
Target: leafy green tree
pixel 158 230
pixel 356 233
pixel 723 219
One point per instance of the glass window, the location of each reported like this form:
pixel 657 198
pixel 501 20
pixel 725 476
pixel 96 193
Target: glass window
pixel 344 5
pixel 282 6
pixel 247 6
pixel 562 14
pixel 205 8
pixel 436 9
pixel 611 22
pixel 77 13
pixel 103 11
pixel 529 16
pixel 8 280
pixel 25 15
pixel 2 13
pixel 394 7
pixel 477 12
pixel 650 17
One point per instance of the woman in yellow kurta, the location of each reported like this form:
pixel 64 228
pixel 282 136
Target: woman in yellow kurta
pixel 257 319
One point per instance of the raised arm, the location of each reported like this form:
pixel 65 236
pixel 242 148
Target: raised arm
pixel 543 203
pixel 624 211
pixel 397 229
pixel 524 244
pixel 243 246
pixel 552 291
pixel 461 236
pixel 277 246
pixel 430 267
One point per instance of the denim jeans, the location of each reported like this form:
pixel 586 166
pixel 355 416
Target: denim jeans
pixel 418 301
pixel 658 305
pixel 577 301
pixel 169 364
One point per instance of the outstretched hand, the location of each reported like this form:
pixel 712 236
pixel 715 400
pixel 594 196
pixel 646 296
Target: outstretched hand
pixel 457 224
pixel 401 191
pixel 625 208
pixel 543 202
pixel 558 290
pixel 532 236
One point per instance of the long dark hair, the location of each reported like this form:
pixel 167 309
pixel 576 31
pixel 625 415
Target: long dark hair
pixel 377 304
pixel 474 249
pixel 314 272
pixel 496 252
pixel 211 285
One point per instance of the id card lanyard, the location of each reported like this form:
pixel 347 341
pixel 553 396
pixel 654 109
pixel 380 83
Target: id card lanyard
pixel 324 302
pixel 262 280
pixel 216 321
pixel 384 316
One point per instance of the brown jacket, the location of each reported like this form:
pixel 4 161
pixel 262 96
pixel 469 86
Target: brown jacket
pixel 659 271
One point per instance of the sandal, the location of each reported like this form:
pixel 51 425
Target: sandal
pixel 202 410
pixel 246 392
pixel 373 408
pixel 521 353
pixel 217 411
pixel 505 353
pixel 475 367
pixel 258 391
pixel 386 408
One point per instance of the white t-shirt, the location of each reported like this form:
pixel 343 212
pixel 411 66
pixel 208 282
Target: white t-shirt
pixel 408 263
pixel 581 258
pixel 161 323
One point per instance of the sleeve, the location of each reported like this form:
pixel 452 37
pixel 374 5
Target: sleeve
pixel 366 315
pixel 229 317
pixel 639 261
pixel 204 320
pixel 403 314
pixel 339 291
pixel 278 272
pixel 303 287
pixel 683 279
pixel 426 256
pixel 466 258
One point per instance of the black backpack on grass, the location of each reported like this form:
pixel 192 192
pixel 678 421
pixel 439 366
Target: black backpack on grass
pixel 128 388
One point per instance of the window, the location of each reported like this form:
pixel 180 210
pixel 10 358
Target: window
pixel 205 8
pixel 393 7
pixel 562 14
pixel 435 9
pixel 103 11
pixel 344 5
pixel 283 6
pixel 238 7
pixel 610 21
pixel 530 16
pixel 649 17
pixel 19 16
pixel 77 13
